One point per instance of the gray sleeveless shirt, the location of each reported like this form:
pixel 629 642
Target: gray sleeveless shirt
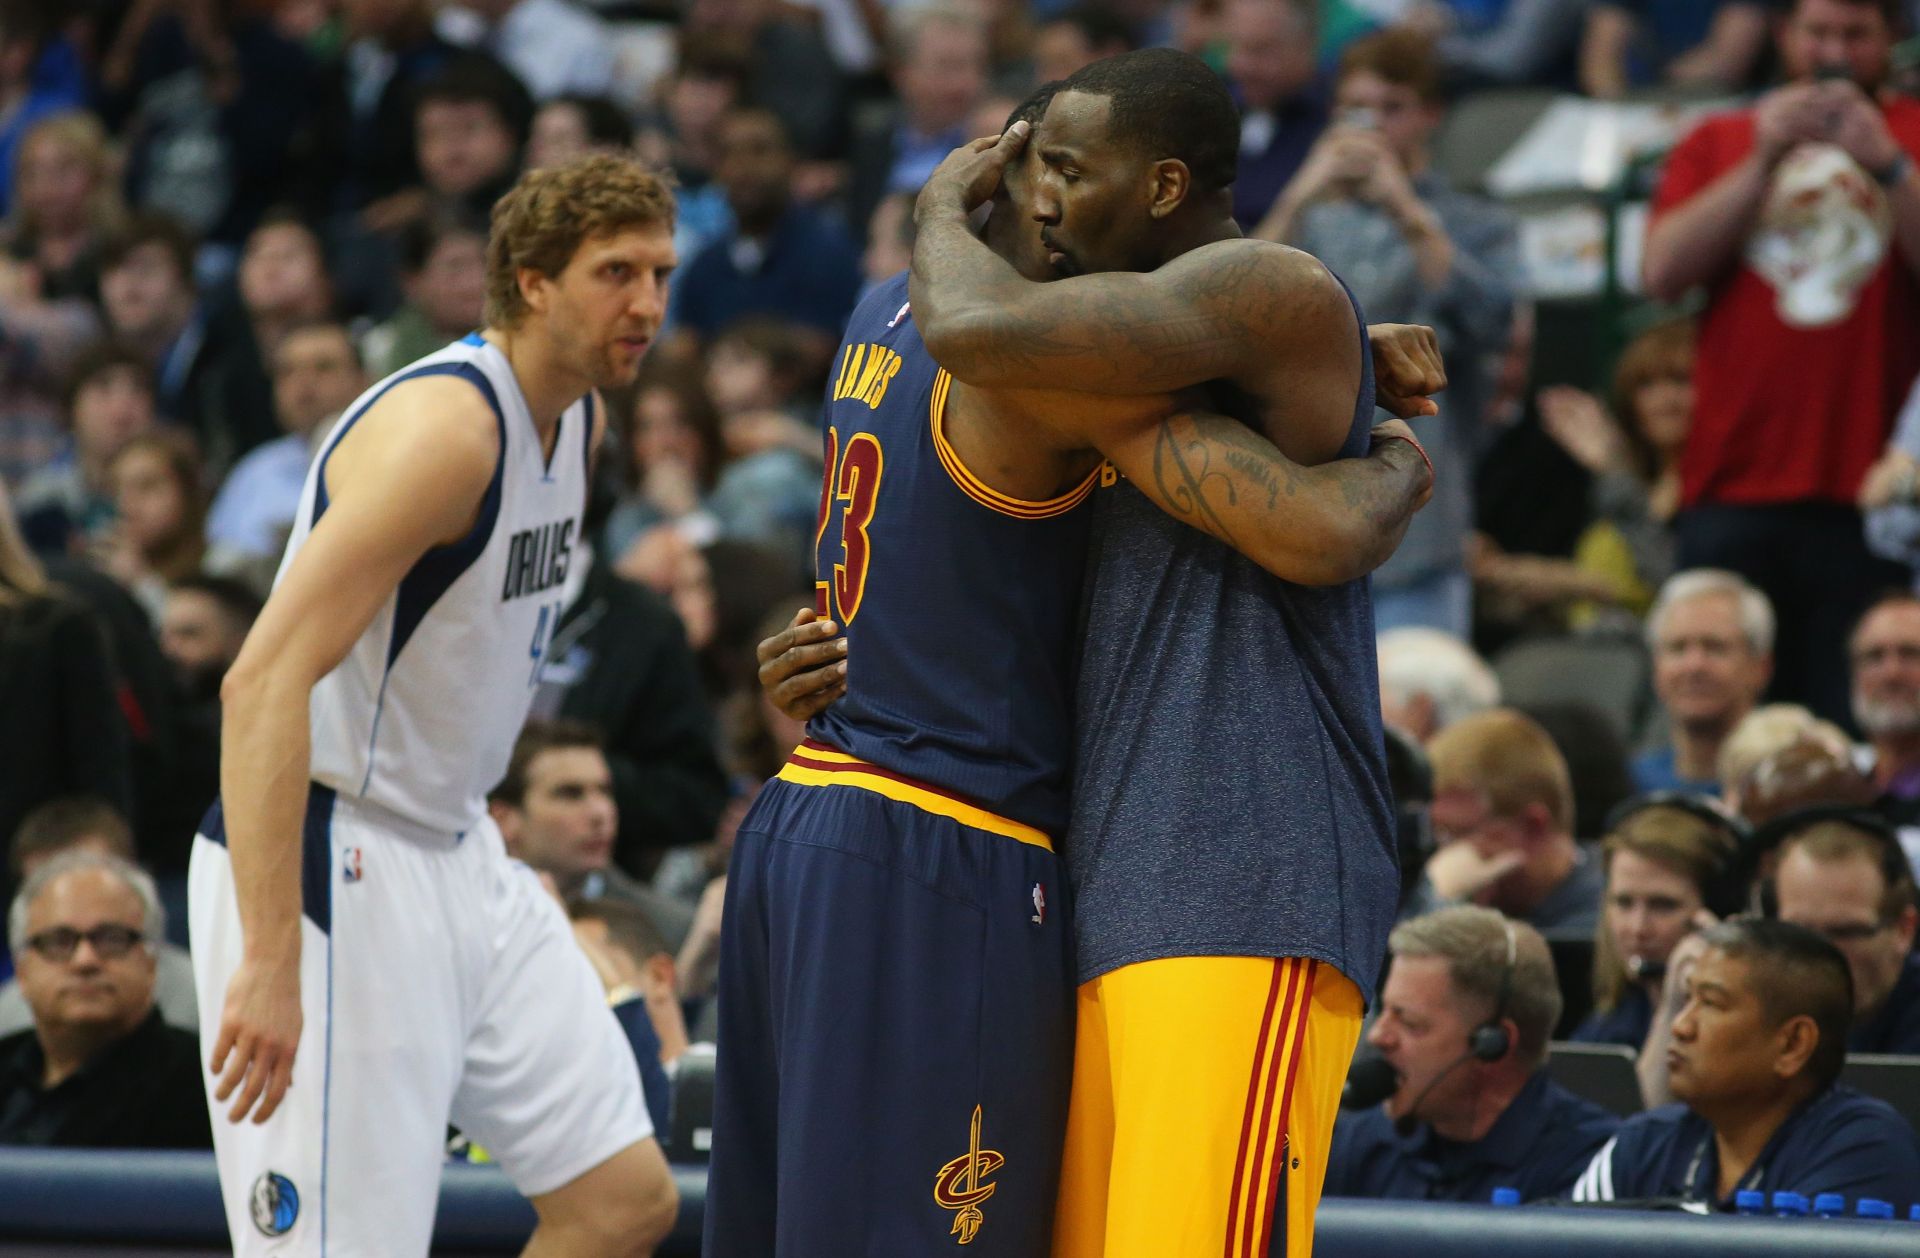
pixel 1230 789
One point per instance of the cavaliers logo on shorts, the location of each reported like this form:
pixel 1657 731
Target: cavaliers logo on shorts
pixel 275 1203
pixel 961 1185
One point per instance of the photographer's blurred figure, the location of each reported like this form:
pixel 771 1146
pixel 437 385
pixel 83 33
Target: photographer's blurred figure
pixel 1754 1062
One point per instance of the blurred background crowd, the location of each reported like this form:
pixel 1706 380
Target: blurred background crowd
pixel 1671 545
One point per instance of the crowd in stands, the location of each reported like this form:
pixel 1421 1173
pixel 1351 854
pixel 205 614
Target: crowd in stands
pixel 1650 659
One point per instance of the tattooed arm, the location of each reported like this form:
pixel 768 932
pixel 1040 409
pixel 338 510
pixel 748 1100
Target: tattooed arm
pixel 1310 525
pixel 1213 313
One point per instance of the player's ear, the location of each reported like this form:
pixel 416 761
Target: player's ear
pixel 1172 182
pixel 533 288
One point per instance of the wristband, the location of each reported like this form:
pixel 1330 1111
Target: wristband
pixel 1400 436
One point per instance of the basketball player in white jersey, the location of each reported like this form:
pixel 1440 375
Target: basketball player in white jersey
pixel 370 963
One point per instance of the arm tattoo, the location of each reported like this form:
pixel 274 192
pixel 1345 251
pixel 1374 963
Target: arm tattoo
pixel 1181 472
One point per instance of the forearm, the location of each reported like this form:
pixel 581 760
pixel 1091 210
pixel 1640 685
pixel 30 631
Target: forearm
pixel 956 282
pixel 1433 250
pixel 1651 1069
pixel 1321 525
pixel 1727 56
pixel 265 766
pixel 1603 53
pixel 1696 241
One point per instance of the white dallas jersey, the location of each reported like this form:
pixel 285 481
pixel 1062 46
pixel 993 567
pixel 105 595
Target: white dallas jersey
pixel 421 716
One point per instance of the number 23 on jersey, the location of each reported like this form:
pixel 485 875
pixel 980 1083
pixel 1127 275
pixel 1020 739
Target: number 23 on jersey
pixel 851 489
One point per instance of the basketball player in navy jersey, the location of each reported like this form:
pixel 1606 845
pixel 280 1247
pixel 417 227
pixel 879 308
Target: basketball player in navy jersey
pixel 370 964
pixel 896 990
pixel 1231 851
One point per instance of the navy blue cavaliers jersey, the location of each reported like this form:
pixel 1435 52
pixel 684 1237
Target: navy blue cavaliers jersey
pixel 959 603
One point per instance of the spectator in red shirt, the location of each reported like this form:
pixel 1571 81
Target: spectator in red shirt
pixel 1801 217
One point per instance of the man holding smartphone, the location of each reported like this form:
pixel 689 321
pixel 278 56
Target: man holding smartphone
pixel 1801 218
pixel 1369 204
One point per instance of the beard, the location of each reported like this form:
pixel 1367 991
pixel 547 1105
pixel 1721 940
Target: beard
pixel 1887 717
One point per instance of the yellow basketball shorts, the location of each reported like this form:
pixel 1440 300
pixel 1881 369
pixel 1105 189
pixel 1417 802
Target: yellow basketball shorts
pixel 1204 1094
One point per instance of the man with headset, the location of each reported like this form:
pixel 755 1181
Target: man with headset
pixel 1755 1055
pixel 1465 1013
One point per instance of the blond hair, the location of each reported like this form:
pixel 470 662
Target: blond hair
pixel 85 134
pixel 1677 841
pixel 543 220
pixel 1506 757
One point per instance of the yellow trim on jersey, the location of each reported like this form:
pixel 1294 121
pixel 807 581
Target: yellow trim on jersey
pixel 981 492
pixel 907 793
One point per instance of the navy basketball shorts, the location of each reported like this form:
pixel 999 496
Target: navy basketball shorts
pixel 896 1022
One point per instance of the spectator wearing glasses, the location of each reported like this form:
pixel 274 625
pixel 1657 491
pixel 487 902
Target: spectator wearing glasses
pixel 86 823
pixel 1845 878
pixel 99 1068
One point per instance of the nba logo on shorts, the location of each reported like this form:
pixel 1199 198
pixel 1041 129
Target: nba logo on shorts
pixel 350 865
pixel 275 1204
pixel 1039 917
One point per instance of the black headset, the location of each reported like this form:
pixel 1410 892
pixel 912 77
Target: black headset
pixel 1770 837
pixel 1490 1040
pixel 1724 889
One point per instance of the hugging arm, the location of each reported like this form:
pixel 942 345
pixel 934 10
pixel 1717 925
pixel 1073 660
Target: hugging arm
pixel 1320 525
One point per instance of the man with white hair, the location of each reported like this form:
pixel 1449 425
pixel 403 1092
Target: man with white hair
pixel 99 1068
pixel 1429 679
pixel 1711 635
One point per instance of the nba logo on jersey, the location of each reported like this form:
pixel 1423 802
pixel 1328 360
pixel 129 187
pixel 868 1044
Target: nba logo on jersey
pixel 350 865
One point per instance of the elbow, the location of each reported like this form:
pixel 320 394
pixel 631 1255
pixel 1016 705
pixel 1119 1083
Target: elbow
pixel 242 683
pixel 1661 276
pixel 952 338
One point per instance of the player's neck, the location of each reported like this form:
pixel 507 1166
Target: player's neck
pixel 1203 223
pixel 545 382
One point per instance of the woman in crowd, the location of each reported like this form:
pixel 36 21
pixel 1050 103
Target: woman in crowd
pixel 159 491
pixel 65 204
pixel 1635 460
pixel 1662 863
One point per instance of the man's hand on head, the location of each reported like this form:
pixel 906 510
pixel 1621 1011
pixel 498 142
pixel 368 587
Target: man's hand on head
pixel 1407 369
pixel 969 176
